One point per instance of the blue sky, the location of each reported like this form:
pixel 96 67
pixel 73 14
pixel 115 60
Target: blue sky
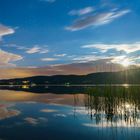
pixel 38 33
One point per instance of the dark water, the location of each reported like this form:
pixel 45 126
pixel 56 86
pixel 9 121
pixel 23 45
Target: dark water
pixel 70 113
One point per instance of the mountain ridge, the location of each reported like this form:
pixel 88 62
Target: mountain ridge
pixel 131 76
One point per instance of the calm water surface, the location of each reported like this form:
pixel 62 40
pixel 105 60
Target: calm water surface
pixel 70 113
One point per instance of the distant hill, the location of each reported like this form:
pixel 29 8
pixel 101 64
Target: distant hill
pixel 131 76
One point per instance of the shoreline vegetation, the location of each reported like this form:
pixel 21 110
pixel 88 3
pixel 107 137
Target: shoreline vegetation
pixel 71 89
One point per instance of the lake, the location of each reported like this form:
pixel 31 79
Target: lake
pixel 70 113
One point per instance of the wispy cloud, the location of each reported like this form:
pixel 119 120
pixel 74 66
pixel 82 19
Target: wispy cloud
pixel 124 54
pixel 90 58
pixel 128 48
pixel 37 49
pixel 97 19
pixel 19 47
pixel 30 50
pixel 33 50
pixel 123 60
pixel 6 58
pixel 5 30
pixel 49 59
pixel 80 12
pixel 60 55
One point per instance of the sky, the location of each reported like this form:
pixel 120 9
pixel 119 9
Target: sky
pixel 68 36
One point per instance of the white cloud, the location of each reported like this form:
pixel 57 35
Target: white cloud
pixel 97 19
pixel 128 48
pixel 37 49
pixel 5 30
pixel 60 55
pixel 44 51
pixel 123 60
pixel 81 11
pixel 19 47
pixel 49 59
pixel 88 58
pixel 6 58
pixel 33 50
pixel 124 54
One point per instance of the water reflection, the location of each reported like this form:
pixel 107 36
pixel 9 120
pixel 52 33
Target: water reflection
pixel 6 111
pixel 96 112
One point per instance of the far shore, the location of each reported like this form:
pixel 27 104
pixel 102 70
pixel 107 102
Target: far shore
pixel 74 85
